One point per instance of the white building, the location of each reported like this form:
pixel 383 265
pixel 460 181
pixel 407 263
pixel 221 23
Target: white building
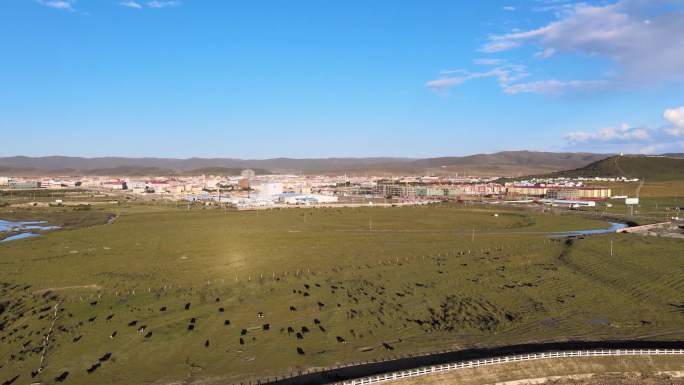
pixel 268 189
pixel 308 199
pixel 114 184
pixel 248 174
pixel 136 185
pixel 243 203
pixel 52 184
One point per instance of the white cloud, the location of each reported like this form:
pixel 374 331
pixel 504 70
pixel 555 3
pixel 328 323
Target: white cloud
pixel 623 134
pixel 558 7
pixel 162 4
pixel 505 74
pixel 131 4
pixel 675 116
pixel 508 8
pixel 488 62
pixel 509 76
pixel 67 5
pixel 675 131
pixel 546 53
pixel 446 82
pixel 661 148
pixel 632 139
pixel 644 38
pixel 149 4
pixel 554 86
pixel 500 45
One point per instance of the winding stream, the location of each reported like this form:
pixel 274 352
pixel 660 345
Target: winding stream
pixel 23 229
pixel 614 227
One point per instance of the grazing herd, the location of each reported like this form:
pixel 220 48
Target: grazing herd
pixel 354 312
pixel 353 291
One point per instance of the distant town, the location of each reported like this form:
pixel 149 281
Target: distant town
pixel 249 190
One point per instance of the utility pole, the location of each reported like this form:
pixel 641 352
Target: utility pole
pixel 611 247
pixel 370 224
pixel 473 237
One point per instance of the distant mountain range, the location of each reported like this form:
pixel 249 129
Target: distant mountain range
pixel 665 167
pixel 507 163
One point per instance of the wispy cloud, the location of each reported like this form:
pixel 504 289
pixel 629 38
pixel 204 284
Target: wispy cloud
pixel 623 134
pixel 505 74
pixel 555 87
pixel 558 7
pixel 446 82
pixel 155 4
pixel 499 45
pixel 488 62
pixel 508 8
pixel 67 5
pixel 162 4
pixel 675 117
pixel 131 4
pixel 645 39
pixel 634 139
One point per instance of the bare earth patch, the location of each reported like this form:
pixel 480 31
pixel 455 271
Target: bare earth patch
pixel 89 287
pixel 653 370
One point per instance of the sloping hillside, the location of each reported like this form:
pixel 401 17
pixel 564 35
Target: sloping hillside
pixel 507 163
pixel 560 160
pixel 653 168
pixel 222 171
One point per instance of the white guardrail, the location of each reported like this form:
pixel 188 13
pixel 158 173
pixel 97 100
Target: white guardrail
pixel 500 360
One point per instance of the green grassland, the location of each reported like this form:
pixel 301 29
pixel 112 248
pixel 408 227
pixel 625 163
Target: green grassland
pixel 658 201
pixel 386 281
pixel 660 186
pixel 649 189
pixel 45 197
pixel 65 217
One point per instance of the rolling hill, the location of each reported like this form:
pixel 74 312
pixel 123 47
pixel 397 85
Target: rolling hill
pixel 652 168
pixel 507 163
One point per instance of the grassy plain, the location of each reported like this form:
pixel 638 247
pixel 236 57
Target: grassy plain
pixel 658 201
pixel 223 295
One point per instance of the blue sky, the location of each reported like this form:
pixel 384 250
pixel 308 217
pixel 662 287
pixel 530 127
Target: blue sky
pixel 257 79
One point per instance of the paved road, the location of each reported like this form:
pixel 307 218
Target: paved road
pixel 370 369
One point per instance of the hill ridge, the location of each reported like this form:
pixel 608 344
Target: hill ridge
pixel 499 163
pixel 653 168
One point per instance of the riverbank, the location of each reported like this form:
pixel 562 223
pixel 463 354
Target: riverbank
pixel 10 231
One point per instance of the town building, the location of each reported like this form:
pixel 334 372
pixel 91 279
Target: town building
pixel 578 193
pixel 559 192
pixel 24 185
pixel 248 174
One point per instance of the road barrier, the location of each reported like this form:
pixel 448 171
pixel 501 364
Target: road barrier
pixel 507 359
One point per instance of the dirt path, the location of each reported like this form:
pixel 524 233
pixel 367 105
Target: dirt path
pixel 626 370
pixel 90 287
pixel 628 378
